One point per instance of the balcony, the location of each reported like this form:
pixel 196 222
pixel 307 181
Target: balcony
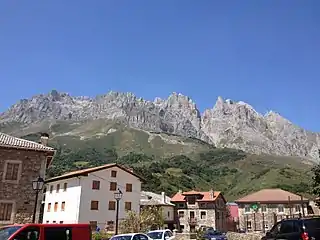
pixel 192 221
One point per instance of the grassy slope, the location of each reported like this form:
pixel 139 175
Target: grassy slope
pixel 168 162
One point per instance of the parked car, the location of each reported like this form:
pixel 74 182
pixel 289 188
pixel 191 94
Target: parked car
pixel 165 234
pixel 295 229
pixel 131 236
pixel 214 235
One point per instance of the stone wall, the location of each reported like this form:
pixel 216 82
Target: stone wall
pixel 244 236
pixel 21 193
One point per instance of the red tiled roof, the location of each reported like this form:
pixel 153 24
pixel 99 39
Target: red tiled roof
pixel 270 195
pixel 180 197
pixel 85 172
pixel 14 142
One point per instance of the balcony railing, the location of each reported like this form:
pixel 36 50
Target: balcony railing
pixel 192 221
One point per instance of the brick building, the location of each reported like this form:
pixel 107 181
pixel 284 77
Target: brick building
pixel 200 209
pixel 21 162
pixel 260 210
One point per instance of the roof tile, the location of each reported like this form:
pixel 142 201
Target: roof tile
pixel 180 197
pixel 14 142
pixel 270 195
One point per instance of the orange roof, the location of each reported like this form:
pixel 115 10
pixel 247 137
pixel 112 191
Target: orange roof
pixel 270 195
pixel 85 172
pixel 206 196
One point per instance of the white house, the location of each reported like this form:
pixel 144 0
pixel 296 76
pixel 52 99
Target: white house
pixel 87 196
pixel 163 201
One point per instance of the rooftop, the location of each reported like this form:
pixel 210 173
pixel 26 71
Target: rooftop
pixel 19 143
pixel 206 196
pixel 152 199
pixel 270 195
pixel 85 172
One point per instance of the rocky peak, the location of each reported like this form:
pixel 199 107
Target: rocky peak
pixel 227 124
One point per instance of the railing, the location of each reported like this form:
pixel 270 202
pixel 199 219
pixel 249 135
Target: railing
pixel 192 221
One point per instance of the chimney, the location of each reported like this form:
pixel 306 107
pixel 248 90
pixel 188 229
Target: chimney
pixel 180 191
pixel 44 139
pixel 163 197
pixel 211 193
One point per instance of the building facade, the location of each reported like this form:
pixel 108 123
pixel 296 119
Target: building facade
pixel 87 196
pixel 259 211
pixel 21 162
pixel 200 209
pixel 162 201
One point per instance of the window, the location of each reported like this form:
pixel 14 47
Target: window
pixel 181 214
pixel 63 204
pixel 54 222
pixel 61 233
pixel 93 225
pixel 203 215
pixel 110 226
pixel 247 209
pixel 113 173
pixel 47 221
pixel 128 187
pixel 5 211
pixel 202 205
pixel 49 207
pixel 55 206
pixel 12 171
pixel 127 206
pixel 61 222
pixel 58 187
pixel 112 205
pixel 95 185
pixel 263 208
pixel 249 225
pixel 192 200
pixel 113 186
pixel 65 186
pixel 142 237
pixel 31 232
pixel 94 205
pixel 297 208
pixel 168 214
pixel 280 209
pixel 51 188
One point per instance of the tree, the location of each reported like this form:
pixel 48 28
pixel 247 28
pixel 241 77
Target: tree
pixel 316 180
pixel 150 217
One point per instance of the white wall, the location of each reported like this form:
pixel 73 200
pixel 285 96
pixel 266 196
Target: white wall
pixel 104 195
pixel 71 197
pixel 168 213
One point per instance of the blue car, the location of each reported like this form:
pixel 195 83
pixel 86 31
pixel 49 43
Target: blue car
pixel 214 235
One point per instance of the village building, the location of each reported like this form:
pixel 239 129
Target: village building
pixel 88 196
pixel 200 209
pixel 21 162
pixel 161 201
pixel 260 210
pixel 233 217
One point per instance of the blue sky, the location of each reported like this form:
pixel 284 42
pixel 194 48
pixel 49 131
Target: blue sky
pixel 266 53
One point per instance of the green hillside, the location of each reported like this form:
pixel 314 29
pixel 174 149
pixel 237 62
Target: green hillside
pixel 168 162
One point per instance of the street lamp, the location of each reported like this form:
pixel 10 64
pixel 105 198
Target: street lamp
pixel 117 197
pixel 37 186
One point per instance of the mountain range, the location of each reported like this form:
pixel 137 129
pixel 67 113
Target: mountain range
pixel 228 124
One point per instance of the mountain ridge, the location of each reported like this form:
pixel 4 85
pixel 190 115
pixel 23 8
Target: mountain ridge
pixel 228 124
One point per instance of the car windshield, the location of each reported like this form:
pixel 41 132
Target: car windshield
pixel 155 235
pixel 6 232
pixel 123 237
pixel 213 233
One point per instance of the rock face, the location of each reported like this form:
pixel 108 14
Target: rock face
pixel 228 124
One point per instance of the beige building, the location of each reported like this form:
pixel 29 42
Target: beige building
pixel 21 162
pixel 163 201
pixel 200 209
pixel 259 211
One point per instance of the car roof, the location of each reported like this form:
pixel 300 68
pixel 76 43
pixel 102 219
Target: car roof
pixel 127 234
pixel 160 230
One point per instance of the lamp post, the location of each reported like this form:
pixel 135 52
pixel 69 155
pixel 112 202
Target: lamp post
pixel 37 186
pixel 117 197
